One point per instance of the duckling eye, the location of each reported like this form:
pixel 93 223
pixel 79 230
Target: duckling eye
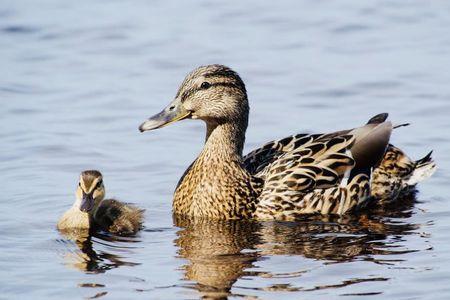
pixel 99 184
pixel 205 85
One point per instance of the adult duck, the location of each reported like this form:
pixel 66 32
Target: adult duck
pixel 284 179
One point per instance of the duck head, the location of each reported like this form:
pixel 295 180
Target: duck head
pixel 90 191
pixel 215 94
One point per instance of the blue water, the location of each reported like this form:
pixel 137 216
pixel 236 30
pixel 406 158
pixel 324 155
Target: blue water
pixel 78 77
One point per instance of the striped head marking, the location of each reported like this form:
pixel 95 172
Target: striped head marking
pixel 213 93
pixel 90 190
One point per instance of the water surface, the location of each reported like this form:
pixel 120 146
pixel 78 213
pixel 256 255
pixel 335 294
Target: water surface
pixel 79 77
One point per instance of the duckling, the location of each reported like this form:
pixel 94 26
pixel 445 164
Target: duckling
pixel 91 211
pixel 282 180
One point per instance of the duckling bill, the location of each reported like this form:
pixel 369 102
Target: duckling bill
pixel 91 211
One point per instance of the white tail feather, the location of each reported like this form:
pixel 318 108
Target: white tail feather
pixel 421 173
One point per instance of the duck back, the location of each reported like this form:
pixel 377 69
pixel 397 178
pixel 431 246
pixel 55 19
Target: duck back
pixel 118 218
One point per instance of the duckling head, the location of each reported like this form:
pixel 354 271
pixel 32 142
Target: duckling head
pixel 214 93
pixel 90 190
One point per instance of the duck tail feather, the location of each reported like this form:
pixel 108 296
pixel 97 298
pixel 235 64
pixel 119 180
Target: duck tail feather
pixel 426 159
pixel 425 167
pixel 380 118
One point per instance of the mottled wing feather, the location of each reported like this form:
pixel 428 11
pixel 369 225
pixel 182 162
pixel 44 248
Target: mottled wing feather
pixel 376 130
pixel 259 161
pixel 337 200
pixel 300 170
pixel 302 175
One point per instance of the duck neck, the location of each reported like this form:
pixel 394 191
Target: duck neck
pixel 216 184
pixel 224 141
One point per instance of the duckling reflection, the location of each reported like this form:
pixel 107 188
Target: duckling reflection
pixel 220 253
pixel 85 258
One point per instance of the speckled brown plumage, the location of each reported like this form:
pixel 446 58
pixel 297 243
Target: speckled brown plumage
pixel 300 174
pixel 397 174
pixel 198 190
pixel 118 217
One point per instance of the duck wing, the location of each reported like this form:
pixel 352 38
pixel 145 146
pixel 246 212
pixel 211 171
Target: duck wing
pixel 312 179
pixel 369 146
pixel 305 174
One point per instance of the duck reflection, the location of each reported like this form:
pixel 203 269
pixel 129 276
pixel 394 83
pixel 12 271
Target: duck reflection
pixel 221 252
pixel 85 258
pixel 215 252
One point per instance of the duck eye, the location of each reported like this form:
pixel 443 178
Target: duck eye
pixel 205 85
pixel 99 184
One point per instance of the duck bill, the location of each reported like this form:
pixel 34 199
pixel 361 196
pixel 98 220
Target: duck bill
pixel 87 202
pixel 172 113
